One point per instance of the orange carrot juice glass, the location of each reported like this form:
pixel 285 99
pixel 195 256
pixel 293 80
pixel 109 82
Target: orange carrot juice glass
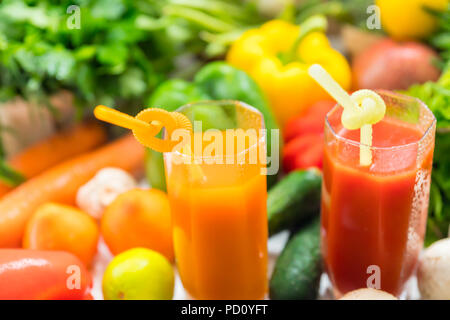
pixel 218 203
pixel 373 218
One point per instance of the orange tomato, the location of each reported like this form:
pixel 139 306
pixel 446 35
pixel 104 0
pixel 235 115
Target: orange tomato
pixel 139 218
pixel 59 227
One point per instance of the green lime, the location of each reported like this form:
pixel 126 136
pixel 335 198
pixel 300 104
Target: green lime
pixel 138 274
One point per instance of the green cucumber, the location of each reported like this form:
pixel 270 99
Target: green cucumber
pixel 293 200
pixel 297 271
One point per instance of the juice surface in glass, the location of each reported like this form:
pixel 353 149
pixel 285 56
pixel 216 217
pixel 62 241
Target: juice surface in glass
pixel 373 218
pixel 219 212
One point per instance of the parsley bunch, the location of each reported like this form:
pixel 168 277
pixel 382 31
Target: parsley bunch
pixel 121 51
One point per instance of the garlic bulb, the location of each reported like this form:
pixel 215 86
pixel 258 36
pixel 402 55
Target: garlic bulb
pixel 102 189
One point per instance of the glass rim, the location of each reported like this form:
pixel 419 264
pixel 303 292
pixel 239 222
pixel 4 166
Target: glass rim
pixel 262 138
pixel 358 144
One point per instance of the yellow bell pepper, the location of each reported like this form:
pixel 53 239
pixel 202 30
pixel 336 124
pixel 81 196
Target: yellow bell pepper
pixel 408 19
pixel 278 54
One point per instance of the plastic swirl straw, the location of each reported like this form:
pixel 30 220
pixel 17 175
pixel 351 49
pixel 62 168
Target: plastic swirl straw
pixel 147 124
pixel 361 110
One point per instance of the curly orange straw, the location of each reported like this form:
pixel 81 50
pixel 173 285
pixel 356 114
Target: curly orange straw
pixel 142 125
pixel 145 129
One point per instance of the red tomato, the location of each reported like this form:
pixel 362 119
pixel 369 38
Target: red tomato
pixel 392 65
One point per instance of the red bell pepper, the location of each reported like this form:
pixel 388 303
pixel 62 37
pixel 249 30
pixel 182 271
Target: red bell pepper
pixel 304 138
pixel 42 275
pixel 312 121
pixel 303 152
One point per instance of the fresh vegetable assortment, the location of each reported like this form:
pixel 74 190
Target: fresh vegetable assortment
pixel 60 184
pixel 84 185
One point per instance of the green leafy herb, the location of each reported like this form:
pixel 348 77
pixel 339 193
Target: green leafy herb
pixel 441 39
pixel 121 50
pixel 436 96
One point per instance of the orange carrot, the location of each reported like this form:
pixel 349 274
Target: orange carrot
pixel 61 183
pixel 57 148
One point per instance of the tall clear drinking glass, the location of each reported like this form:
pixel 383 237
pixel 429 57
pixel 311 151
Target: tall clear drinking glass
pixel 218 202
pixel 373 218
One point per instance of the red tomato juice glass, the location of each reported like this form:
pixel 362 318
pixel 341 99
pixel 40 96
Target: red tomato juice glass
pixel 373 218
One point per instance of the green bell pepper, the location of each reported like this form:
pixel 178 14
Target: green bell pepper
pixel 215 81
